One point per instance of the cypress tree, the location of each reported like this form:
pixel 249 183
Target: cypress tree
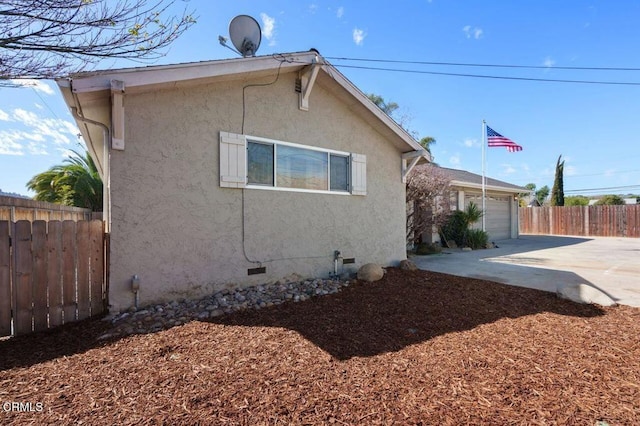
pixel 557 192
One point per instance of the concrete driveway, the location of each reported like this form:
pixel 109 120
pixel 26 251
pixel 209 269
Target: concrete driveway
pixel 550 263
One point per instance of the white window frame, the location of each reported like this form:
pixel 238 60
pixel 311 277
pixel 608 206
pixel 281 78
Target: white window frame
pixel 275 186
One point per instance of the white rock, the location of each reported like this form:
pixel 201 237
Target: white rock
pixel 583 293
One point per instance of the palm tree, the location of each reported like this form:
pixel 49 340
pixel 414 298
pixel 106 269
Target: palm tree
pixel 75 183
pixel 426 142
pixel 387 107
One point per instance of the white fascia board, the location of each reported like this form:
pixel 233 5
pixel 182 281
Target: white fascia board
pixel 163 74
pixel 461 184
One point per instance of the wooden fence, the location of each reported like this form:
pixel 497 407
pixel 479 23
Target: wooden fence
pixel 51 273
pixel 596 221
pixel 15 208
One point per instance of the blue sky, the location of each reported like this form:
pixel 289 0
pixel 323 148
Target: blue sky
pixel 593 126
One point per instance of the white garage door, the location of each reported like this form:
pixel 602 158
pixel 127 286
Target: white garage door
pixel 497 216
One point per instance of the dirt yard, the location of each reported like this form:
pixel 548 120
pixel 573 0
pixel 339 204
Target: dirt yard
pixel 414 348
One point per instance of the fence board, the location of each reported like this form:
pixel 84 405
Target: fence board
pixel 5 280
pixel 23 274
pixel 83 280
pixel 69 270
pixel 54 272
pixel 39 256
pixel 603 221
pixel 19 208
pixel 51 273
pixel 97 266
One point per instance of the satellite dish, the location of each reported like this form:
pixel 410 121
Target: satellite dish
pixel 245 34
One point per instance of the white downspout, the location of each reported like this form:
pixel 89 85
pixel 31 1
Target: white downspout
pixel 106 192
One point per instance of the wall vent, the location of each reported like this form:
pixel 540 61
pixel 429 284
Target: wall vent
pixel 349 260
pixel 255 271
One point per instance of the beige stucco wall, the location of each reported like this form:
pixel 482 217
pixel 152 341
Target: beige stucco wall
pixel 181 233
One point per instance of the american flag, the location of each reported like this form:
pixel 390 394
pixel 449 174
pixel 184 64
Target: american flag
pixel 496 139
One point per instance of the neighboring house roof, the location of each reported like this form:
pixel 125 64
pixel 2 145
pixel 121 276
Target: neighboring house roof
pixel 467 179
pixel 89 93
pixel 626 201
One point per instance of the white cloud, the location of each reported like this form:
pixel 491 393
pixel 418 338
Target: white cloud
pixel 454 160
pixel 38 134
pixel 37 85
pixel 358 36
pixel 8 145
pixel 4 116
pixel 268 28
pixel 313 8
pixel 569 170
pixel 469 143
pixel 340 12
pixel 470 32
pixel 508 169
pixel 548 62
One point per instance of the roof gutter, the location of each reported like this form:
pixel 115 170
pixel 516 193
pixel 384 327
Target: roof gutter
pixel 490 187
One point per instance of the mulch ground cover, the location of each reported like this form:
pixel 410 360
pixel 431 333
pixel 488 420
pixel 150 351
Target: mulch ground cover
pixel 414 348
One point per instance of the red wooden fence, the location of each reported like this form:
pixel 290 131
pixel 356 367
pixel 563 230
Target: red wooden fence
pixel 597 221
pixel 51 273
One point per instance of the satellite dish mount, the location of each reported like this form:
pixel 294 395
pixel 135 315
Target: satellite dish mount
pixel 245 35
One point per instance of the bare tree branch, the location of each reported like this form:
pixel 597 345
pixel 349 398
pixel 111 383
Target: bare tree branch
pixel 51 38
pixel 427 200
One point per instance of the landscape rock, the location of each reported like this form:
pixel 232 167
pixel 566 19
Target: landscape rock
pixel 408 265
pixel 370 272
pixel 152 319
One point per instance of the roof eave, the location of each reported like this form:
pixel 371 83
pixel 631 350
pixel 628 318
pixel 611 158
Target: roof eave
pixel 488 187
pixel 165 74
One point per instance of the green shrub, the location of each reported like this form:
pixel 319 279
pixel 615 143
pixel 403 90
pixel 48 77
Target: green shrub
pixel 610 200
pixel 476 238
pixel 473 213
pixel 455 228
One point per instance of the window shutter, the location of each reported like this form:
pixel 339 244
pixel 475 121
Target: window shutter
pixel 358 174
pixel 233 153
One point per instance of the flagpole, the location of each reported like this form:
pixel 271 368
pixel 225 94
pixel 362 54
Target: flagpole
pixel 484 189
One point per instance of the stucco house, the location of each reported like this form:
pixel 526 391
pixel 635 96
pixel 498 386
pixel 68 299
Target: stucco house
pixel 229 173
pixel 501 202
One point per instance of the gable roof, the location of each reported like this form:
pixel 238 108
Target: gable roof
pixel 89 93
pixel 472 180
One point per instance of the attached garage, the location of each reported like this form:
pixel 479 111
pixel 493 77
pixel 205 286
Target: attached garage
pixel 501 202
pixel 497 214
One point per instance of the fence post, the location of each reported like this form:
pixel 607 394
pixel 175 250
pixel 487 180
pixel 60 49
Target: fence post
pixel 97 267
pixel 5 280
